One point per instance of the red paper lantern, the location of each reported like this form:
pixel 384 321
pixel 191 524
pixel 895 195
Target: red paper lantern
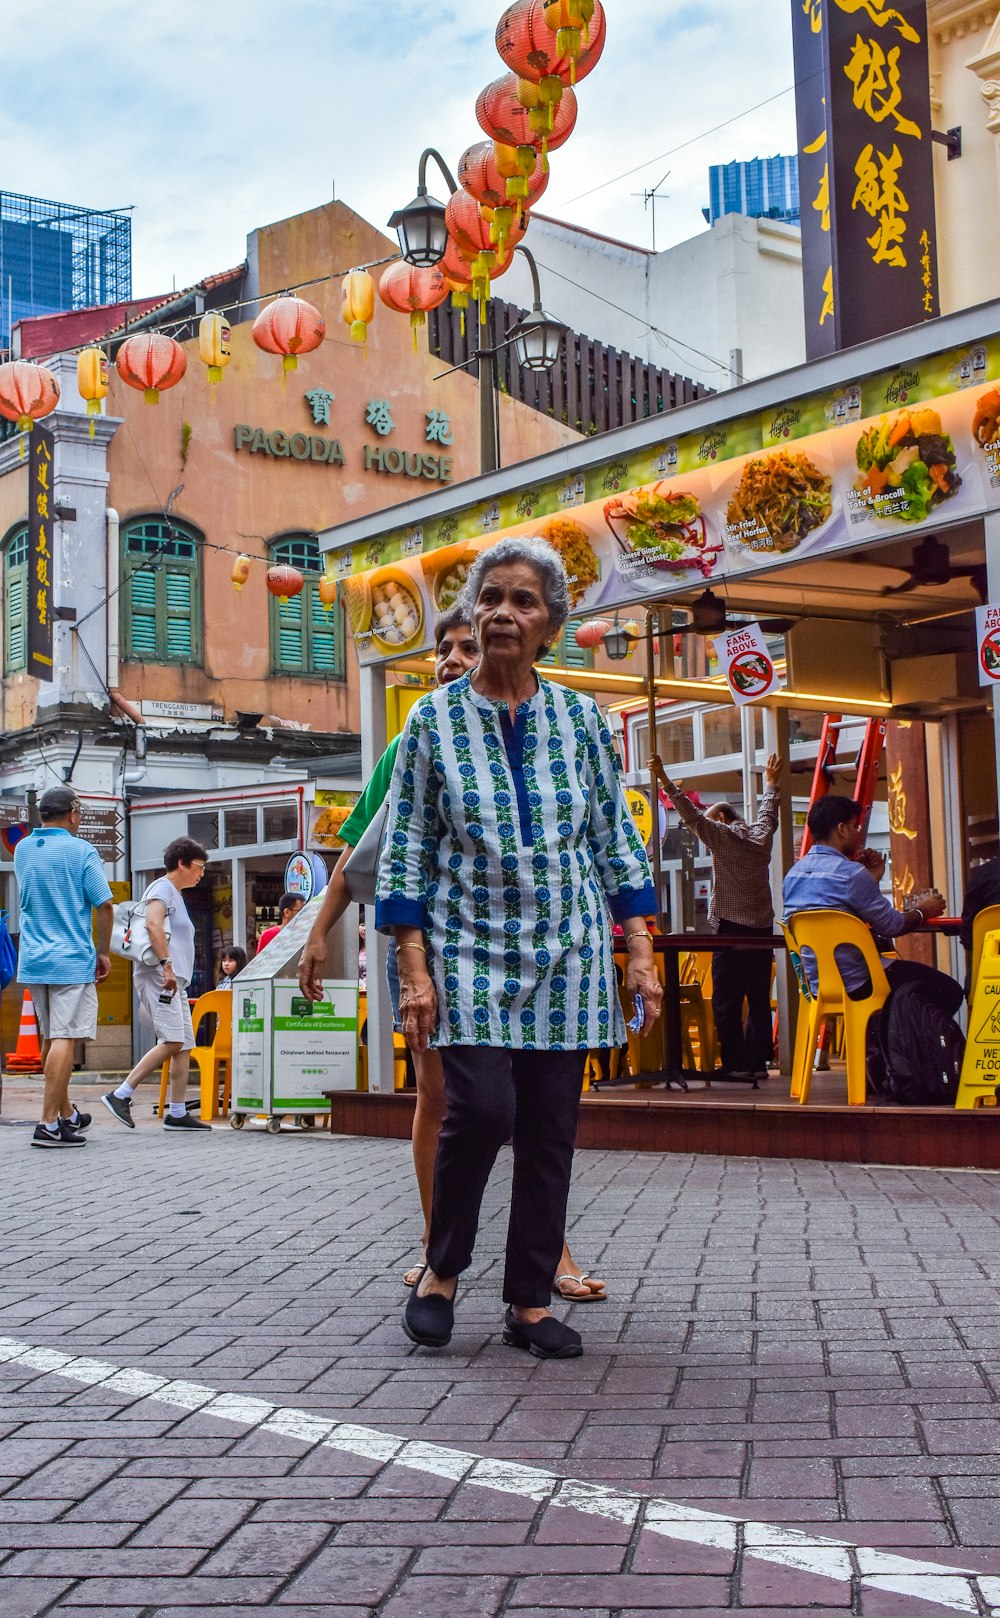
pixel 481 175
pixel 469 228
pixel 533 50
pixel 413 291
pixel 502 114
pixel 27 392
pixel 592 633
pixel 284 581
pixel 289 327
pixel 151 363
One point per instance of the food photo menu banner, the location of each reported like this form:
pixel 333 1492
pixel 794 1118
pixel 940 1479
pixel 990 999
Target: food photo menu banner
pixel 897 453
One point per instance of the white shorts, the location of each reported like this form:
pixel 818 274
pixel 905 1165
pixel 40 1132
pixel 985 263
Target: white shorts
pixel 172 1022
pixel 65 1010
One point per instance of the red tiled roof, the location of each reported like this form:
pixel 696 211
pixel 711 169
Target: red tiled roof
pixel 54 334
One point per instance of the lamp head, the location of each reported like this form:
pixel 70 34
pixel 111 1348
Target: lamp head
pixel 422 230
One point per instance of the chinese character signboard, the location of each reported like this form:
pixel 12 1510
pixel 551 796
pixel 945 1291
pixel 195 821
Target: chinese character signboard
pixel 866 169
pixel 814 174
pixel 40 561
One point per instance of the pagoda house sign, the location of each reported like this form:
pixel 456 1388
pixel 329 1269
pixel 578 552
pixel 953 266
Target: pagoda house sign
pixel 430 465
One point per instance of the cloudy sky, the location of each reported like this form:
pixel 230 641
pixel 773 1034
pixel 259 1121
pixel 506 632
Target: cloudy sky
pixel 215 116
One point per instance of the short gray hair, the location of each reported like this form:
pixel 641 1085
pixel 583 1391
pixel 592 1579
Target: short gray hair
pixel 534 553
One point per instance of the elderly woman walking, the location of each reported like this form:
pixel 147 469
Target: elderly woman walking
pixel 510 851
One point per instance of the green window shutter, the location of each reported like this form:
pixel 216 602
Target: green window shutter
pixel 324 649
pixel 15 648
pixel 141 637
pixel 569 654
pixel 291 639
pixel 178 593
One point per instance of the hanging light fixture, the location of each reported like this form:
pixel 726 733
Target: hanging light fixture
pixel 538 338
pixel 420 226
pixel 618 641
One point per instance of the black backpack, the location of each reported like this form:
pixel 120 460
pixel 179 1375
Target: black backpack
pixel 915 1049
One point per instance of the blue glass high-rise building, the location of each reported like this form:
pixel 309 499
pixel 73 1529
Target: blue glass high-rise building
pixel 762 188
pixel 55 257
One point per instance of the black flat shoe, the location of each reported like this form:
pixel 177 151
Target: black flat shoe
pixel 430 1321
pixel 547 1339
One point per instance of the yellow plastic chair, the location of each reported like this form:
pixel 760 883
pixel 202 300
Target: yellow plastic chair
pixel 210 1059
pixel 987 921
pixel 804 1052
pixel 822 932
pixel 695 973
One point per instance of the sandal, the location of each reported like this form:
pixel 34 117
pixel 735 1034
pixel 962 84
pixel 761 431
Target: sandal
pixel 593 1291
pixel 413 1274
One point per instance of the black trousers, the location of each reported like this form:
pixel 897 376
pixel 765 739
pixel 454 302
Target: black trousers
pixel 738 975
pixel 531 1098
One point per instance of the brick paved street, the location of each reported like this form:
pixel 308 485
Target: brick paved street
pixel 788 1405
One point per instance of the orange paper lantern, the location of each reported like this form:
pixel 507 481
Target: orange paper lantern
pixel 529 43
pixel 214 344
pixel 284 581
pixel 327 592
pixel 241 571
pixel 413 291
pixel 92 380
pixel 151 363
pixel 570 21
pixel 289 327
pixel 27 392
pixel 357 303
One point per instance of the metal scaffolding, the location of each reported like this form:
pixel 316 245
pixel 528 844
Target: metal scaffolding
pixel 54 257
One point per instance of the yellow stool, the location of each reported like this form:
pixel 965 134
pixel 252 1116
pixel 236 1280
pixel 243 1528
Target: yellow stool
pixel 823 932
pixel 210 1060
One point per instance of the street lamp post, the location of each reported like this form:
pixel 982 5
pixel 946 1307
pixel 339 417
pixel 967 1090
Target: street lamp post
pixel 537 340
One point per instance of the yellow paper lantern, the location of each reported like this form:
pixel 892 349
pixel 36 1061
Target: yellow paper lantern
pixel 241 571
pixel 214 338
pixel 92 380
pixel 357 303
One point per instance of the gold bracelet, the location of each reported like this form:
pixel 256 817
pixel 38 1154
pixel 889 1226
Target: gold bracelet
pixel 421 947
pixel 638 932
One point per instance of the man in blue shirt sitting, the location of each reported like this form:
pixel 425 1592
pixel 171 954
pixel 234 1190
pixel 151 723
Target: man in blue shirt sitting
pixel 838 874
pixel 60 883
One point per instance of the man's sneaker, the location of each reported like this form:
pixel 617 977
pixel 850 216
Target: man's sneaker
pixel 78 1120
pixel 189 1121
pixel 65 1136
pixel 121 1108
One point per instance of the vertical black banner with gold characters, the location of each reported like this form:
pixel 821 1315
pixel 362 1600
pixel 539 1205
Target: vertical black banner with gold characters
pixel 40 564
pixel 811 101
pixel 868 213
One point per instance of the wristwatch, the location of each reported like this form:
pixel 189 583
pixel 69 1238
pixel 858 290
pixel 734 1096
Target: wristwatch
pixel 166 961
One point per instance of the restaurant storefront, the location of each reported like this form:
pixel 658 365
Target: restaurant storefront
pixel 855 501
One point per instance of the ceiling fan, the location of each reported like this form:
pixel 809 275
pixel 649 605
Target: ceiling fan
pixel 930 565
pixel 709 617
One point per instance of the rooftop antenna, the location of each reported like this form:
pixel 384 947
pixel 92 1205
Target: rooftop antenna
pixel 651 198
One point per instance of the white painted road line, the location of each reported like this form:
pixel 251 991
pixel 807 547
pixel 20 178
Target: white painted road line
pixel 836 1559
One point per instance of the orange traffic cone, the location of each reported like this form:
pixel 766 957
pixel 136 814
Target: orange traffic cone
pixel 28 1056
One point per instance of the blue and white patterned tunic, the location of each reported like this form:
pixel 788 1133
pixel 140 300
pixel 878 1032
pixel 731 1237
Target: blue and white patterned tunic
pixel 509 842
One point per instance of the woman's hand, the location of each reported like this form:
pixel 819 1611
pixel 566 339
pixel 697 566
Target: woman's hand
pixel 312 966
pixel 641 978
pixel 418 1004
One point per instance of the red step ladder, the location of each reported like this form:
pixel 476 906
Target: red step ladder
pixel 864 767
